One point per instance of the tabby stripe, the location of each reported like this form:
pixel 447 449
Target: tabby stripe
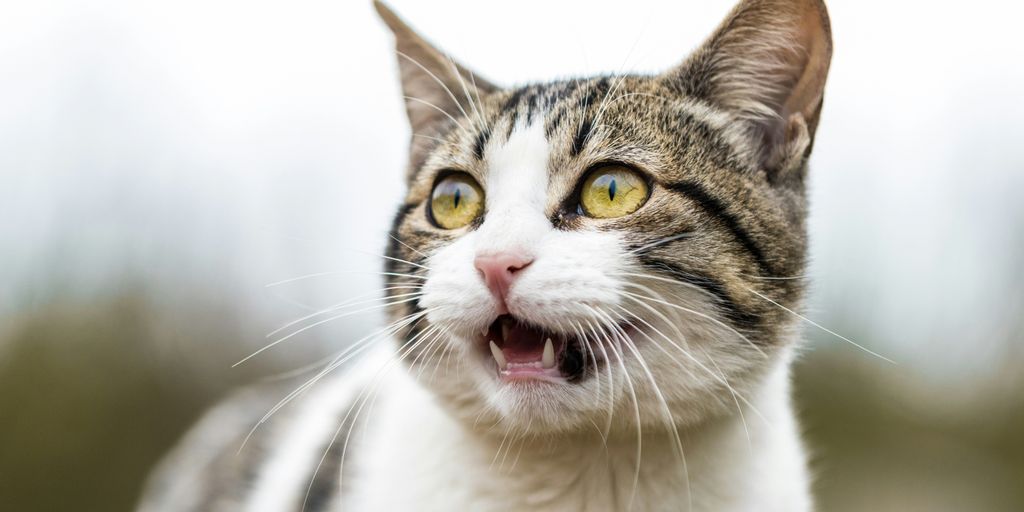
pixel 732 311
pixel 285 476
pixel 513 118
pixel 719 211
pixel 480 143
pixel 512 103
pixel 531 106
pixel 407 334
pixel 511 109
pixel 394 247
pixel 554 122
pixel 555 118
pixel 586 125
pixel 581 138
pixel 325 488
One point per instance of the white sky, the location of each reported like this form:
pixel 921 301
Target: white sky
pixel 232 144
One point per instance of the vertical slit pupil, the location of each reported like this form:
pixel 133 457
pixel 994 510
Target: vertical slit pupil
pixel 611 190
pixel 458 196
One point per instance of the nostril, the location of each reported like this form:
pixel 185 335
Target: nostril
pixel 498 271
pixel 512 269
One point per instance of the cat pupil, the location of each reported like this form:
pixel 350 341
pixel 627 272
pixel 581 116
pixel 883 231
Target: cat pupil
pixel 611 190
pixel 458 196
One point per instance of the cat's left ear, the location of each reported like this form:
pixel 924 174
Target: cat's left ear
pixel 436 89
pixel 767 64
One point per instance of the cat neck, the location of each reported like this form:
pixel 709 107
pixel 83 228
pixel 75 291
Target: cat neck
pixel 736 461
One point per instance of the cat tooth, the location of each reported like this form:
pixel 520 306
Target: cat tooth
pixel 505 328
pixel 498 356
pixel 549 354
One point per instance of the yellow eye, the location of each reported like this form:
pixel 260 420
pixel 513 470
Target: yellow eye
pixel 613 191
pixel 456 201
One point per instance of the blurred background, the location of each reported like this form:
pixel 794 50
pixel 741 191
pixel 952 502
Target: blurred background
pixel 168 168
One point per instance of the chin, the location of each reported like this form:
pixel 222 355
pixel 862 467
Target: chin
pixel 515 374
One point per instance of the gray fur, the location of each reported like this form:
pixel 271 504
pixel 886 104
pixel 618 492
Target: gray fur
pixel 724 138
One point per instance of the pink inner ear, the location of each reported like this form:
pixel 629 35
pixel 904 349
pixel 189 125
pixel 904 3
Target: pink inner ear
pixel 767 61
pixel 429 77
pixel 814 35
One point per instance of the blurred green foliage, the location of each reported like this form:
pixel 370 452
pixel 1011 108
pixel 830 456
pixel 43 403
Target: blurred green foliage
pixel 880 442
pixel 88 404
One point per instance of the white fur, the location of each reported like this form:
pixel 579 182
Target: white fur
pixel 285 474
pixel 448 435
pixel 683 414
pixel 415 456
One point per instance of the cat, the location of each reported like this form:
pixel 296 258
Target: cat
pixel 592 286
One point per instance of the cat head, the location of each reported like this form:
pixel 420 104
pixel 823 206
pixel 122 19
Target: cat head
pixel 614 249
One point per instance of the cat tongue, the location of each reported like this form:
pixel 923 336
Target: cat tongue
pixel 522 344
pixel 523 352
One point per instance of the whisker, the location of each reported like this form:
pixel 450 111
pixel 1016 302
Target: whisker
pixel 587 349
pixel 319 322
pixel 776 278
pixel 340 272
pixel 407 246
pixel 683 308
pixel 428 352
pixel 696 313
pixel 439 109
pixel 662 279
pixel 428 137
pixel 347 303
pixel 529 424
pixel 819 326
pixel 351 351
pixel 669 418
pixel 608 372
pixel 439 82
pixel 481 124
pixel 645 94
pixel 621 77
pixel 663 241
pixel 365 396
pixel 720 379
pixel 504 438
pixel 735 400
pixel 636 406
pixel 400 260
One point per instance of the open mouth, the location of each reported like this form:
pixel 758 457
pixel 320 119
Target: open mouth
pixel 523 352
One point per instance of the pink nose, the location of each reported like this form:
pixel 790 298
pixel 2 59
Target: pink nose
pixel 498 271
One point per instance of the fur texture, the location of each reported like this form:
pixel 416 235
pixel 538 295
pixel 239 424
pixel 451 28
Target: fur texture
pixel 678 396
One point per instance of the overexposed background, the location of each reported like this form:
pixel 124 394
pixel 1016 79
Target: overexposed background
pixel 162 163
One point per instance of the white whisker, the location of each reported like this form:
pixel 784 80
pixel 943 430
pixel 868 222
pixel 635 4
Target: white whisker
pixel 340 272
pixel 348 303
pixel 663 241
pixel 320 322
pixel 407 246
pixel 822 327
pixel 439 82
pixel 437 108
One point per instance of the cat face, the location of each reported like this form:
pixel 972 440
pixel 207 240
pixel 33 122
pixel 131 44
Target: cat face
pixel 609 251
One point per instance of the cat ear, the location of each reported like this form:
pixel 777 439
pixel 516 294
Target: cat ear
pixel 435 87
pixel 767 63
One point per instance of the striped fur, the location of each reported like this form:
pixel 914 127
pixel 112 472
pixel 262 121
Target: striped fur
pixel 703 279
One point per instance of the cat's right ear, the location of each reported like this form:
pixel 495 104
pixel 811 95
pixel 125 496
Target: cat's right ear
pixel 436 89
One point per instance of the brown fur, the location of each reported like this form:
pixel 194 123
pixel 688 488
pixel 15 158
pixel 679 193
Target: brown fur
pixel 724 138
